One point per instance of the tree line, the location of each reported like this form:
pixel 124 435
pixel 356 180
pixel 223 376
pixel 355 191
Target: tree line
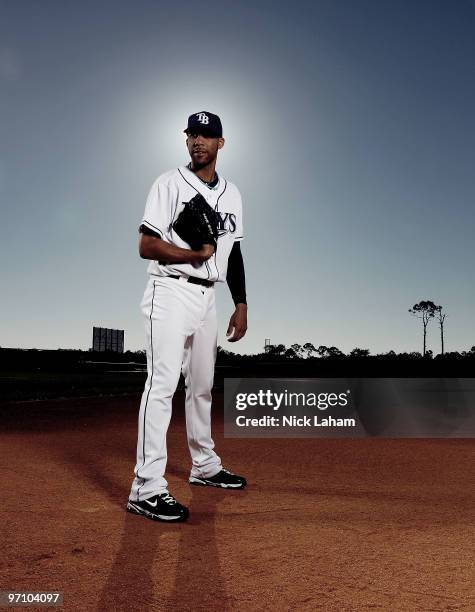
pixel 425 310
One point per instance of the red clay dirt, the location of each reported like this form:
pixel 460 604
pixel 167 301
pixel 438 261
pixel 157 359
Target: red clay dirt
pixel 323 525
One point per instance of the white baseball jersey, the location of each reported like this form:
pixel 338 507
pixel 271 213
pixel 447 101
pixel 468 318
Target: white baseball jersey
pixel 166 200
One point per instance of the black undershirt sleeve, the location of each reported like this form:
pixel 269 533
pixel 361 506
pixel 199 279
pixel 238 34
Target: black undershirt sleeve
pixel 235 276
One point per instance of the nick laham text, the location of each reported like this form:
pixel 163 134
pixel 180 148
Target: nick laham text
pixel 294 421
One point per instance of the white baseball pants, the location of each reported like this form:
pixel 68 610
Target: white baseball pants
pixel 181 324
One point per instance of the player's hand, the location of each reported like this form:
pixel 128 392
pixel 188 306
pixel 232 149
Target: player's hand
pixel 206 251
pixel 237 323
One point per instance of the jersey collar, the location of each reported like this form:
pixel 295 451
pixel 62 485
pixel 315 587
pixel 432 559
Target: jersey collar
pixel 210 184
pixel 190 177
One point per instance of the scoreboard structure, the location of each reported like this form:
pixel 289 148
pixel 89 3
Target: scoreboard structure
pixel 105 339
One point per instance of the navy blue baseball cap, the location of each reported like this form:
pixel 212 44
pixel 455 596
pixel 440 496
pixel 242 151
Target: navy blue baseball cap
pixel 204 123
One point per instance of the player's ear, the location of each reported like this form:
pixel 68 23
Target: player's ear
pixel 220 143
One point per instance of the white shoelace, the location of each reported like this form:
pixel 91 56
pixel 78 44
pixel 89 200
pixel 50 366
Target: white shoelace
pixel 168 498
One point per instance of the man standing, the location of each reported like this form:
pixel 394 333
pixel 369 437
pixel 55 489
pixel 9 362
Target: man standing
pixel 180 317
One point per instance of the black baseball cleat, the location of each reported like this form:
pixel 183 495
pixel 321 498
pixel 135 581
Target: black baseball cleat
pixel 224 479
pixel 163 507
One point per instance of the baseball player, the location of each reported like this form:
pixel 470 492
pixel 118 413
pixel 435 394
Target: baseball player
pixel 180 317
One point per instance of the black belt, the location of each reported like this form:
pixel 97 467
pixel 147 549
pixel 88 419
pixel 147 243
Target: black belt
pixel 194 280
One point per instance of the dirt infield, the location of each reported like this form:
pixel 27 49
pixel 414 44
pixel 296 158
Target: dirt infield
pixel 324 524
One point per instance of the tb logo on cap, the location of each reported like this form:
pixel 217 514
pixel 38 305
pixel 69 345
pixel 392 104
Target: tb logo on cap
pixel 205 123
pixel 202 118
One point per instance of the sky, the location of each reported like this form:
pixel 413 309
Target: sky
pixel 349 128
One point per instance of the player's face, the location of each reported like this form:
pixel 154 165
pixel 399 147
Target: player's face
pixel 203 149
